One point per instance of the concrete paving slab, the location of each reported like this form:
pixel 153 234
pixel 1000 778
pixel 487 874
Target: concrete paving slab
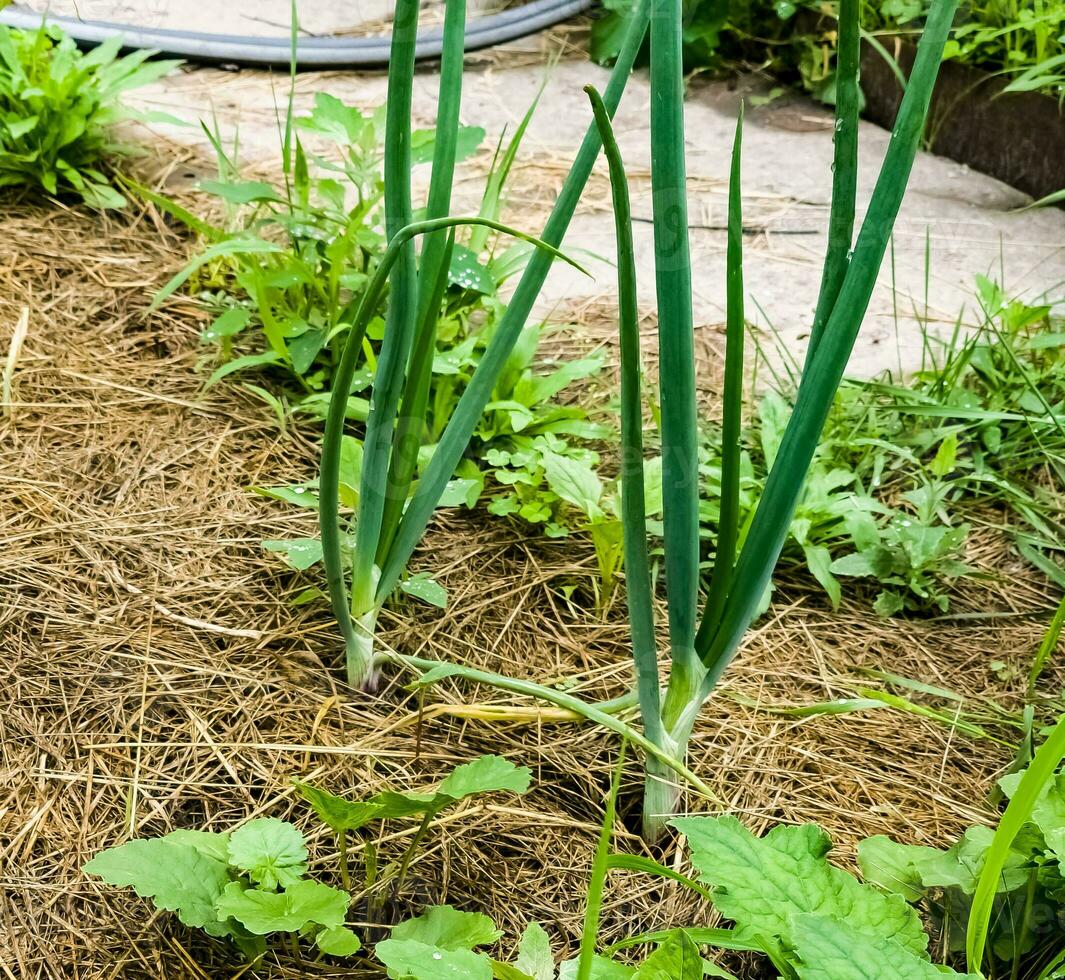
pixel 954 223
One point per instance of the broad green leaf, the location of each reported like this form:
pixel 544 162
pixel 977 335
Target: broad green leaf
pixel 468 272
pixel 534 957
pixel 575 482
pixel 338 814
pixel 299 553
pixel 331 117
pixel 408 958
pixel 835 950
pixel 240 192
pixel 298 494
pixel 422 586
pixel 301 904
pixel 242 364
pixel 1026 795
pixel 176 877
pixel 676 959
pixel 1048 813
pixel 445 927
pixel 227 324
pixel 271 851
pixel 423 142
pixel 911 870
pixel 859 564
pixel 303 349
pixel 338 941
pixel 946 456
pixel 819 562
pixel 603 968
pixel 206 842
pixel 543 387
pixel 461 492
pixel 231 246
pixel 761 883
pixel 488 774
pixel 897 867
pixel 507 971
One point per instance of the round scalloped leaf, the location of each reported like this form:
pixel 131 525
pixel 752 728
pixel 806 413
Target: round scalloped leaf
pixel 446 927
pixel 271 851
pixel 176 877
pixel 304 903
pixel 405 958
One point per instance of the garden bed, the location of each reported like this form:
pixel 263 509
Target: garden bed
pixel 157 675
pixel 1017 137
pixel 176 697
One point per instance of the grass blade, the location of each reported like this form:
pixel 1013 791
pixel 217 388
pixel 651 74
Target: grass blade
pixel 1045 761
pixel 844 168
pixel 633 504
pixel 722 938
pixel 467 413
pixel 433 670
pixel 1046 648
pixel 821 379
pixel 731 423
pixel 597 880
pixel 492 201
pixel 636 862
pixel 675 331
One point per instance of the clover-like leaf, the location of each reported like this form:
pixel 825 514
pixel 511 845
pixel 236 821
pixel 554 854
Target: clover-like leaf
pixel 301 904
pixel 176 877
pixel 762 883
pixel 271 851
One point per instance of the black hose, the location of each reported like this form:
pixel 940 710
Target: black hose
pixel 315 52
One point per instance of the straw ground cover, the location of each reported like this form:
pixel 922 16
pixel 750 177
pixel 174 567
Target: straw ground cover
pixel 156 676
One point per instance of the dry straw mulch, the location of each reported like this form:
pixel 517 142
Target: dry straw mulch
pixel 155 674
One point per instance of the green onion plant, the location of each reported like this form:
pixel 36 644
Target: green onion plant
pixel 703 643
pixel 394 512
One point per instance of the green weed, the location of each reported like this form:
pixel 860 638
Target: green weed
pixel 58 108
pixel 250 883
pixel 285 271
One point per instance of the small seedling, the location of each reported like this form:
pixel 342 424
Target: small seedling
pixel 251 883
pixel 243 886
pixel 488 774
